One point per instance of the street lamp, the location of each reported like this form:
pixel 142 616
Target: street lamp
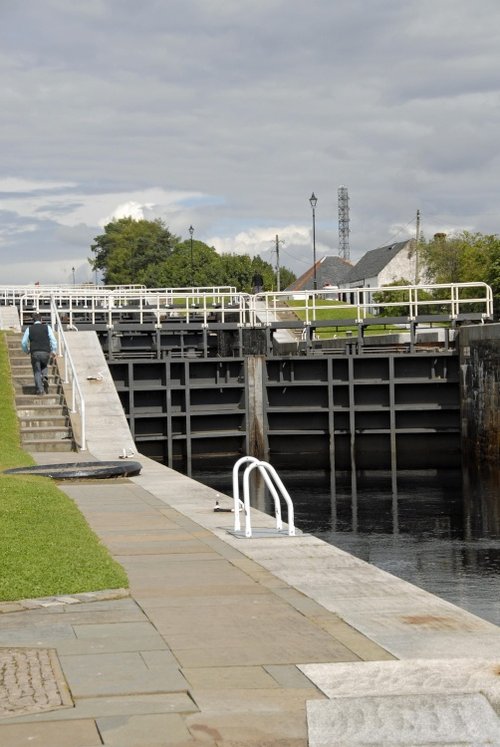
pixel 314 200
pixel 191 231
pixel 73 271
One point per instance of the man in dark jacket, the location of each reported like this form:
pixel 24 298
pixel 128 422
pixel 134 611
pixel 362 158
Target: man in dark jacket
pixel 39 341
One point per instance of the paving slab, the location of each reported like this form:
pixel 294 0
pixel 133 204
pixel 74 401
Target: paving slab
pixel 224 655
pixel 225 678
pixel 126 607
pixel 363 647
pixel 245 630
pixel 78 733
pixel 408 677
pixel 117 705
pixel 257 717
pixel 118 674
pixel 42 634
pixel 403 720
pixel 110 645
pixel 437 645
pixel 110 630
pixel 289 675
pixel 149 730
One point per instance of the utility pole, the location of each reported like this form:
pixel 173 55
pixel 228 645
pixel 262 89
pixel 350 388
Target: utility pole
pixel 417 240
pixel 278 241
pixel 344 230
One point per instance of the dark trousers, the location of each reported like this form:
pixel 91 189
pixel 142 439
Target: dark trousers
pixel 39 362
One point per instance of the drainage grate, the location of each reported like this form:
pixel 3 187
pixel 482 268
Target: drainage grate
pixel 31 680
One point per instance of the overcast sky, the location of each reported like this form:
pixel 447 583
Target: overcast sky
pixel 228 114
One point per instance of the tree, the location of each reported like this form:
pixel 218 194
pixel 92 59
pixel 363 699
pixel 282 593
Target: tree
pixel 128 250
pixel 464 258
pixel 178 272
pixel 145 252
pixel 493 276
pixel 395 296
pixel 287 277
pixel 460 258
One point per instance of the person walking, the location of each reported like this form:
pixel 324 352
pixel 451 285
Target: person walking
pixel 39 341
pixel 257 283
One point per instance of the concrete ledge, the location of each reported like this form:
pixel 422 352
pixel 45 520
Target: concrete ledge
pixel 403 720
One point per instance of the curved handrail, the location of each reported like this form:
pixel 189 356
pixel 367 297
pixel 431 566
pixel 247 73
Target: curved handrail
pixel 269 474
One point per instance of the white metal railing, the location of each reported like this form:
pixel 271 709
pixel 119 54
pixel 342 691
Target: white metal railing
pixel 273 483
pixel 86 305
pixel 70 377
pixel 412 301
pixel 219 304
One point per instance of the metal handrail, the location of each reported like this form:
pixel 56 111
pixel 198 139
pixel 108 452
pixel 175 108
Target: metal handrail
pixel 219 304
pixel 269 474
pixel 70 374
pixel 361 300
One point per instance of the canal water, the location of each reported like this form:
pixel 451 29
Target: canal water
pixel 438 530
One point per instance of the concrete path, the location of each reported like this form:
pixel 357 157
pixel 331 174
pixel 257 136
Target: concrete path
pixel 274 641
pixel 229 641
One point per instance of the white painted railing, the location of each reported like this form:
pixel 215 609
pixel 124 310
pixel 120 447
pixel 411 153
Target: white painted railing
pixel 70 379
pixel 170 304
pixel 219 304
pixel 273 483
pixel 451 299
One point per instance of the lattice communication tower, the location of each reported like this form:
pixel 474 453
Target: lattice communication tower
pixel 344 230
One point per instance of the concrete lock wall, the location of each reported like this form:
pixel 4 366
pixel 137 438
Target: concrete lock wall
pixel 479 349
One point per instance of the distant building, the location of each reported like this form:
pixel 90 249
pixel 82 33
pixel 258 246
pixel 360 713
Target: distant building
pixel 384 266
pixel 331 273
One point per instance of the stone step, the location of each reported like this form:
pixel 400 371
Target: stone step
pixel 25 378
pixel 48 445
pixel 30 399
pixel 45 432
pixel 42 411
pixel 24 364
pixel 28 390
pixel 44 420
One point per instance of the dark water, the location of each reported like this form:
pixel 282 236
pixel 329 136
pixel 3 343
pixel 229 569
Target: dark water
pixel 440 531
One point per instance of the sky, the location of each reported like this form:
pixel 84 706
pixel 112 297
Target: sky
pixel 227 114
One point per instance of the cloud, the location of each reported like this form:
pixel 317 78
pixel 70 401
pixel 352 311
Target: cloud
pixel 227 116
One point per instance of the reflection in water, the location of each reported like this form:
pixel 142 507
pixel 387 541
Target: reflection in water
pixel 440 531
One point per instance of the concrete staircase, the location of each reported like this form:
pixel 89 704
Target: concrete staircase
pixel 44 421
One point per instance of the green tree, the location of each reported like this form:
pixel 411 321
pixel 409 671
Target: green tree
pixel 128 250
pixel 145 252
pixel 395 296
pixel 493 276
pixel 236 271
pixel 460 258
pixel 464 258
pixel 181 270
pixel 287 277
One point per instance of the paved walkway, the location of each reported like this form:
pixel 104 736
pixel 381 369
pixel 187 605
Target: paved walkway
pixel 229 641
pixel 274 641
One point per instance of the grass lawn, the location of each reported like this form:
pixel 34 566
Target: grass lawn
pixel 46 546
pixel 339 311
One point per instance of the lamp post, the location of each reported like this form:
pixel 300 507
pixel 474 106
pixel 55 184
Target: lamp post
pixel 314 200
pixel 191 231
pixel 73 272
